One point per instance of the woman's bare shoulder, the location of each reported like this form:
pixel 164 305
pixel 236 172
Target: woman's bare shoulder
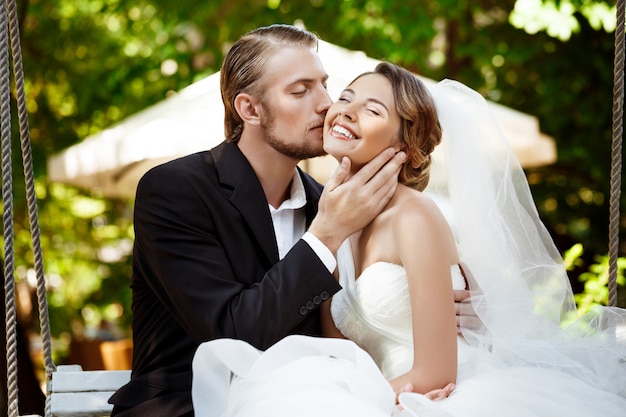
pixel 419 223
pixel 416 205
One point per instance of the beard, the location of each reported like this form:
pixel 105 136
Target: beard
pixel 301 150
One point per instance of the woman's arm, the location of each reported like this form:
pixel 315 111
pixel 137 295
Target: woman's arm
pixel 427 250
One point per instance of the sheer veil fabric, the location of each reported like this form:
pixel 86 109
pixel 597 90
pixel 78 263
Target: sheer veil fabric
pixel 525 299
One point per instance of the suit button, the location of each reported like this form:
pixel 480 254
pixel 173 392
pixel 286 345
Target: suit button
pixel 324 295
pixel 317 300
pixel 310 305
pixel 304 311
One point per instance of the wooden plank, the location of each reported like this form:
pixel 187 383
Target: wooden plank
pixel 85 404
pixel 72 380
pixel 74 392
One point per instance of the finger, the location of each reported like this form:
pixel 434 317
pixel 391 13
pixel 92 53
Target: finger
pixel 439 394
pixel 469 277
pixel 472 323
pixel 459 328
pixel 387 176
pixel 382 187
pixel 447 390
pixel 340 174
pixel 385 191
pixel 408 387
pixel 465 309
pixel 370 169
pixel 461 295
pixel 433 395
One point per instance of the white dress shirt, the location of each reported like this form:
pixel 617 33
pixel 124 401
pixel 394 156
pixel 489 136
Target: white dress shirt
pixel 290 225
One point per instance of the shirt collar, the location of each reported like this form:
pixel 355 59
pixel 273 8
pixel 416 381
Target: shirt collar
pixel 297 194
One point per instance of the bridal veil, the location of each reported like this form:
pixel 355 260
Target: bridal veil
pixel 524 297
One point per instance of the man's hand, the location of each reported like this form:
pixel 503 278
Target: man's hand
pixel 347 205
pixel 466 317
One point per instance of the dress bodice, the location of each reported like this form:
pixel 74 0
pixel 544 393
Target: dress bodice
pixel 375 311
pixel 382 292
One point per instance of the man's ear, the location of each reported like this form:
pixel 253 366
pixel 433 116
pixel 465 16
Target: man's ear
pixel 247 108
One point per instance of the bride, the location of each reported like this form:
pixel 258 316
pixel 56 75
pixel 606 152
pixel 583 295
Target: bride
pixel 393 324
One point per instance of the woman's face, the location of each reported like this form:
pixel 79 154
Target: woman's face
pixel 363 121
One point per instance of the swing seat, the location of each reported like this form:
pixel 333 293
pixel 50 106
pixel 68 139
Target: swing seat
pixel 74 392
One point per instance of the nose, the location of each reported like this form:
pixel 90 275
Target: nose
pixel 324 100
pixel 347 112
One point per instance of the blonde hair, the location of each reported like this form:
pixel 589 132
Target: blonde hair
pixel 244 69
pixel 420 130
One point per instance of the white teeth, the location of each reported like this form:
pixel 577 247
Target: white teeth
pixel 343 131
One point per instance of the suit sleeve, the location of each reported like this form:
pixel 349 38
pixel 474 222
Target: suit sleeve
pixel 183 256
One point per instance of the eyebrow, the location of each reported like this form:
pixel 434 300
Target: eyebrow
pixel 308 80
pixel 375 100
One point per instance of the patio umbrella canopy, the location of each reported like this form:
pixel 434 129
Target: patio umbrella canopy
pixel 192 120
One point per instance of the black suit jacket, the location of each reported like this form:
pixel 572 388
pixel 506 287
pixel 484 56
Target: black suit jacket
pixel 206 266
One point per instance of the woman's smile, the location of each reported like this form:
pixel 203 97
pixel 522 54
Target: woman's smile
pixel 342 132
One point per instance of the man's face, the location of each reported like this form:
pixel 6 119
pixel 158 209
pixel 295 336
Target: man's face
pixel 295 103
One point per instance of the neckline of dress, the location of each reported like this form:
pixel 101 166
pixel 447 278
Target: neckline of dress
pixel 370 266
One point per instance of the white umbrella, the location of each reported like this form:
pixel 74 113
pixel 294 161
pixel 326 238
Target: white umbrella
pixel 193 120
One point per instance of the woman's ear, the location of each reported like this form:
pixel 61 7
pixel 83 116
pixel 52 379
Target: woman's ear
pixel 246 107
pixel 400 146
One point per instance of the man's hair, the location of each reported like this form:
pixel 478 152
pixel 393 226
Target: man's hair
pixel 244 69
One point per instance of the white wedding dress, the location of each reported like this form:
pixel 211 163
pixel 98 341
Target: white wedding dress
pixel 486 383
pixel 525 360
pixel 305 376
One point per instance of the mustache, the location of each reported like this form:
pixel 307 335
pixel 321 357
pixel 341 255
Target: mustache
pixel 319 123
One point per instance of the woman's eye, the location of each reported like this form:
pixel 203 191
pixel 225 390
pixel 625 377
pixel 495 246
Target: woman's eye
pixel 374 112
pixel 299 93
pixel 343 99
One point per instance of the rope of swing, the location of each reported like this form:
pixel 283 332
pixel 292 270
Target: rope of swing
pixel 616 152
pixel 9 12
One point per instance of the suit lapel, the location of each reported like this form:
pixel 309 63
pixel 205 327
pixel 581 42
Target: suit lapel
pixel 313 192
pixel 246 194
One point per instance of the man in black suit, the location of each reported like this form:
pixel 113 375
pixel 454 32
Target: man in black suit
pixel 237 242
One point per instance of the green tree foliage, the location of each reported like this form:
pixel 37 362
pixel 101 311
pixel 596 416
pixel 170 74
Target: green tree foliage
pixel 91 63
pixel 595 279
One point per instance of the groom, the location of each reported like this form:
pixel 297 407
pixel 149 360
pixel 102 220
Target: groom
pixel 237 242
